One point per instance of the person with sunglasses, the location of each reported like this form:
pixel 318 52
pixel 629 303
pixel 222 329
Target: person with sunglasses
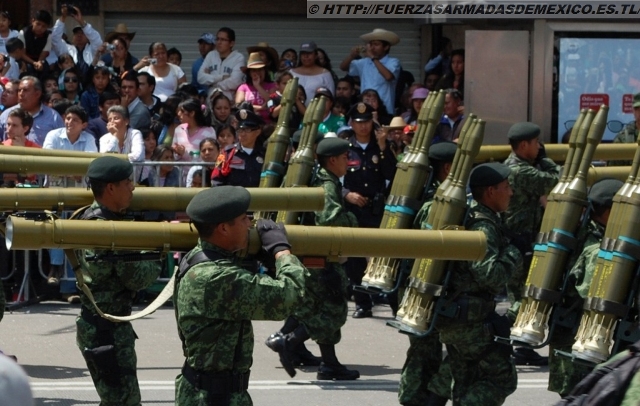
pixel 71 87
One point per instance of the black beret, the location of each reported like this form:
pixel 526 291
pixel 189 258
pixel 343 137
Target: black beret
pixel 523 131
pixel 332 147
pixel 248 119
pixel 218 204
pixel 109 169
pixel 295 138
pixel 488 174
pixel 443 151
pixel 361 112
pixel 602 192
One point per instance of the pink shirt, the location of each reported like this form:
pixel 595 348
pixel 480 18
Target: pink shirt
pixel 252 96
pixel 191 143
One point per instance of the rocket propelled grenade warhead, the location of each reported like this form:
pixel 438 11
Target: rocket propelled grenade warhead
pixel 615 278
pixel 427 279
pixel 333 242
pixel 406 195
pixel 556 239
pixel 303 161
pixel 274 168
pixel 157 199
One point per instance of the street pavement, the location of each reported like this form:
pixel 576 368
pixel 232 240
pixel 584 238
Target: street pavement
pixel 42 336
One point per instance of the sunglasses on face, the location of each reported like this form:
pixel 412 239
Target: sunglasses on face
pixel 70 80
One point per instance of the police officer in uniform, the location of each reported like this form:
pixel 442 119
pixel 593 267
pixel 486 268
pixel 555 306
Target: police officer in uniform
pixel 216 299
pixel 323 322
pixel 241 163
pixel 108 347
pixel 372 167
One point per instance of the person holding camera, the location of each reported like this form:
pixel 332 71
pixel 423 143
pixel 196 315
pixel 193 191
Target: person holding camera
pixel 85 42
pixel 372 167
pixel 215 328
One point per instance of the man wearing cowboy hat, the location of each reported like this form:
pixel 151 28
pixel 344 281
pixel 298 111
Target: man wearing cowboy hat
pixel 122 32
pixel 377 70
pixel 268 54
pixel 221 69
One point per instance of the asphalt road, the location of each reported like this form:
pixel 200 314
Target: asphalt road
pixel 42 336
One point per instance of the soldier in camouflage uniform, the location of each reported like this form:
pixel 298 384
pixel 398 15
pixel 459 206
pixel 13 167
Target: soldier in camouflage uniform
pixel 216 299
pixel 424 357
pixel 629 133
pixel 323 322
pixel 483 371
pixel 564 374
pixel 108 347
pixel 533 175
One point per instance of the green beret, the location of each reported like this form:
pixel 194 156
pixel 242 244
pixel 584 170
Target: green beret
pixel 218 204
pixel 332 147
pixel 443 151
pixel 109 169
pixel 602 192
pixel 523 131
pixel 488 174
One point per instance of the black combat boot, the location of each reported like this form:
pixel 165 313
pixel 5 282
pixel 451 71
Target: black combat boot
pixel 299 355
pixel 436 400
pixel 331 369
pixel 285 346
pixel 290 324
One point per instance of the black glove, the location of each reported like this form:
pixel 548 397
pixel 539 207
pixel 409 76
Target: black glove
pixel 542 153
pixel 273 236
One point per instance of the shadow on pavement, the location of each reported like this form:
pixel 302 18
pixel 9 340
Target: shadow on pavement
pixel 54 372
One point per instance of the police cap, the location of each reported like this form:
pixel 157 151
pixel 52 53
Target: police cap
pixel 109 169
pixel 361 112
pixel 602 192
pixel 443 151
pixel 248 119
pixel 523 131
pixel 332 147
pixel 489 174
pixel 218 204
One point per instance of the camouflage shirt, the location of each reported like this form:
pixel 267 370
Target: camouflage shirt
pixel 115 283
pixel 529 183
pixel 499 265
pixel 586 263
pixel 628 135
pixel 334 212
pixel 216 300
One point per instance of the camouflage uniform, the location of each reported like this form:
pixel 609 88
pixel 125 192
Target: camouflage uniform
pixel 524 215
pixel 628 135
pixel 114 285
pixel 563 373
pixel 423 369
pixel 483 371
pixel 215 303
pixel 323 322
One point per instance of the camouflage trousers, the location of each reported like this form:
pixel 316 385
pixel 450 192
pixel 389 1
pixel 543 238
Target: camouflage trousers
pixel 564 374
pixel 324 320
pixel 483 371
pixel 187 395
pixel 424 371
pixel 116 382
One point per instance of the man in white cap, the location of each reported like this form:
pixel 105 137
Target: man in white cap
pixel 377 70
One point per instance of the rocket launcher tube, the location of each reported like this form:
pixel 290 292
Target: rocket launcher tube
pixel 559 152
pixel 157 198
pixel 572 146
pixel 435 114
pixel 11 150
pixel 274 168
pixel 25 234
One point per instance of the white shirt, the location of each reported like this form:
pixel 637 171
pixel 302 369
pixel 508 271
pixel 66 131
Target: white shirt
pixel 223 75
pixel 133 145
pixel 58 139
pixel 165 85
pixel 59 46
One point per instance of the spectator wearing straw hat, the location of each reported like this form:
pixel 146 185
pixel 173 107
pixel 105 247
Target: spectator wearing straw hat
pixel 268 54
pixel 120 32
pixel 258 86
pixel 376 69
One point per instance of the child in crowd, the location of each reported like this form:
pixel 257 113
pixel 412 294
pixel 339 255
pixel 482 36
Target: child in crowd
pixel 98 126
pixel 36 38
pixel 10 68
pixel 15 49
pixel 341 106
pixel 18 125
pixel 49 83
pixel 52 97
pixel 174 56
pixel 100 82
pixel 209 151
pixel 226 137
pixel 221 108
pixel 71 87
pixel 168 175
pixel 275 99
